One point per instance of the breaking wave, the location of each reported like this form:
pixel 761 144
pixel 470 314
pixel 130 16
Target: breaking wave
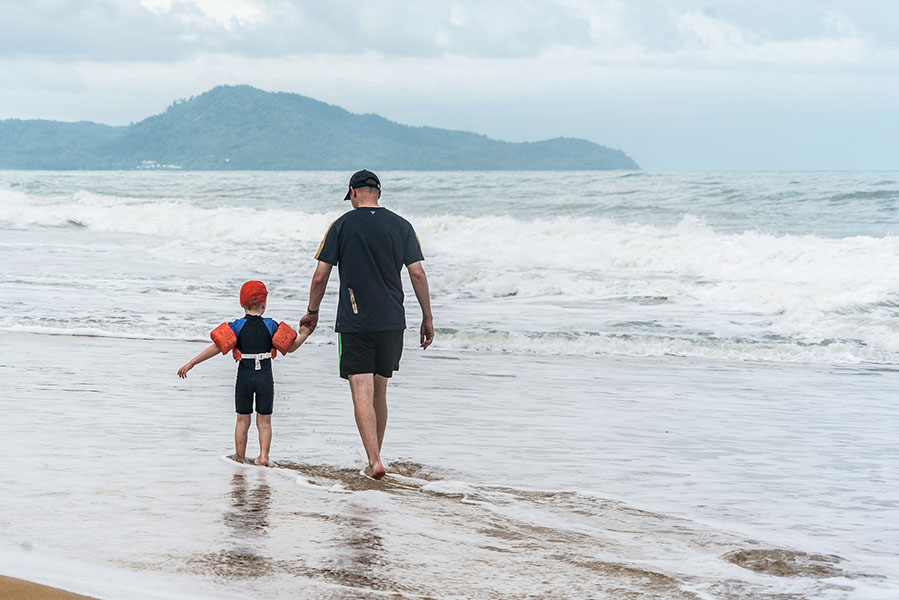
pixel 745 295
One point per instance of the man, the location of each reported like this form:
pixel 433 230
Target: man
pixel 370 245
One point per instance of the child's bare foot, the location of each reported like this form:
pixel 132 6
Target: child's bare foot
pixel 376 471
pixel 262 461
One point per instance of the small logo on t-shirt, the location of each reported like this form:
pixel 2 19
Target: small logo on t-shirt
pixel 372 212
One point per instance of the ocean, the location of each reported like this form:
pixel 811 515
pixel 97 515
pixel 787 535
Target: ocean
pixel 643 385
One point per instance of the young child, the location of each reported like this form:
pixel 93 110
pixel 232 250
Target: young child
pixel 254 341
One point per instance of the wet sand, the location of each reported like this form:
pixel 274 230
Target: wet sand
pixel 143 512
pixel 18 589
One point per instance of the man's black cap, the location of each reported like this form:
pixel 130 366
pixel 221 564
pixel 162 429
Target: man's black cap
pixel 361 179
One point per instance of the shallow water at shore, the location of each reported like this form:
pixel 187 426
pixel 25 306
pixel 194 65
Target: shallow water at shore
pixel 653 478
pixel 644 385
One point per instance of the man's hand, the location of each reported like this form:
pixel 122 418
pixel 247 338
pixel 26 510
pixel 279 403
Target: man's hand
pixel 427 334
pixel 309 320
pixel 182 372
pixel 420 285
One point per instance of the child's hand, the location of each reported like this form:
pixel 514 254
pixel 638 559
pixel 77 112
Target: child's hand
pixel 210 351
pixel 304 332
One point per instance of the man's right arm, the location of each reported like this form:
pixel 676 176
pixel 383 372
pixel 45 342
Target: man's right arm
pixel 420 285
pixel 316 293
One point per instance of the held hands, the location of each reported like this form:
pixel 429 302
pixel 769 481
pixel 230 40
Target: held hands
pixel 310 320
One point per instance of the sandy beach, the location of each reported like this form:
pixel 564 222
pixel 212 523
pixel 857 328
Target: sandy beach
pixel 18 589
pixel 131 496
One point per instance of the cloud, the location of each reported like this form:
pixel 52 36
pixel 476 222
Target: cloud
pixel 177 29
pixel 39 75
pixel 616 71
pixel 64 31
pixel 720 42
pixel 642 32
pixel 230 14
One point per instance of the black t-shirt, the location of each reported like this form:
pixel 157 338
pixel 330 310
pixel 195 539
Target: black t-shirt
pixel 370 245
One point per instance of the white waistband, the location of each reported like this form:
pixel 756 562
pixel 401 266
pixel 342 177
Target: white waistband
pixel 257 358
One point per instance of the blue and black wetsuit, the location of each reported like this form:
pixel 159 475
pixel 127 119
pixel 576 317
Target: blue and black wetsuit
pixel 254 336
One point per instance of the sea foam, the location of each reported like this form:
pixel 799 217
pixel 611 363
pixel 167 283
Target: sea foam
pixel 704 291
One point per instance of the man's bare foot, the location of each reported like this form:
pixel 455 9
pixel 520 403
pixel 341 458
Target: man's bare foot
pixel 238 458
pixel 375 472
pixel 262 461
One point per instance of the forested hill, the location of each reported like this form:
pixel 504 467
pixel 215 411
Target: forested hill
pixel 240 127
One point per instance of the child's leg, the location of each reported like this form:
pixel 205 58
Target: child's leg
pixel 243 406
pixel 240 435
pixel 265 401
pixel 264 425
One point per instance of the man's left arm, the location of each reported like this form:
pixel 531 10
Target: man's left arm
pixel 420 285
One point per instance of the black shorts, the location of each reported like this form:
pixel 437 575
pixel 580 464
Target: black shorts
pixel 376 352
pixel 251 382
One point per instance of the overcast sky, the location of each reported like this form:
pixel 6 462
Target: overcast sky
pixel 738 84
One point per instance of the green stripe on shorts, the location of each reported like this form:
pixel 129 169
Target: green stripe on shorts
pixel 339 352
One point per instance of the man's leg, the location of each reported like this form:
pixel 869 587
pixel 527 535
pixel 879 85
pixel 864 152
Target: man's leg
pixel 380 403
pixel 362 387
pixel 264 425
pixel 240 435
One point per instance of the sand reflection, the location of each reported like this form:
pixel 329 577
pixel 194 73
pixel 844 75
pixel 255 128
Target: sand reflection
pixel 248 513
pixel 359 559
pixel 247 519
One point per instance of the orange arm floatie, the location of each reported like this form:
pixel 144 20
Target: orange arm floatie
pixel 223 337
pixel 284 337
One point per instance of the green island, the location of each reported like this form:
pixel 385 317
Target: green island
pixel 244 128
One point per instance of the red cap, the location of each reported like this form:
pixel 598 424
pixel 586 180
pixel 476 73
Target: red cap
pixel 252 292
